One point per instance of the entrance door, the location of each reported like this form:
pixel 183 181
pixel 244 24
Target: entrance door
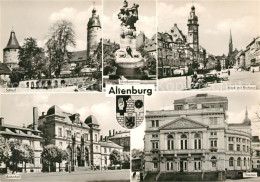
pixel 181 166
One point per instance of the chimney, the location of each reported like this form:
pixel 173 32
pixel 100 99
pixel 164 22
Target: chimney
pixel 113 132
pixel 1 121
pixel 101 138
pixel 109 132
pixel 35 118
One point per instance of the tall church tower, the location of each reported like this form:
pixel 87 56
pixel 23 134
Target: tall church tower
pixel 230 50
pixel 93 33
pixel 193 31
pixel 10 52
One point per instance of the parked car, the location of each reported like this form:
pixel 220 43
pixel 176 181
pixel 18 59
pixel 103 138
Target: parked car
pixel 199 83
pixel 223 76
pixel 178 72
pixel 212 78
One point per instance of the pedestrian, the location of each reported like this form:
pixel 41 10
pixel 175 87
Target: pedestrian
pixel 228 73
pixel 253 70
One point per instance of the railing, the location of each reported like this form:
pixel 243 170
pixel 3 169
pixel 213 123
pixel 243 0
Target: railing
pixel 183 151
pixel 183 112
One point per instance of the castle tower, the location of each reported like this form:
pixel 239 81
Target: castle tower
pixel 93 33
pixel 10 52
pixel 193 31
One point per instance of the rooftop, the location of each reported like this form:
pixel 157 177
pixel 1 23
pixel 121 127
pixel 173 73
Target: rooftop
pixel 12 43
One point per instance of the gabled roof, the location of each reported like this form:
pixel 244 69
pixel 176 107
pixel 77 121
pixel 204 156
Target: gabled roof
pixel 4 69
pixel 181 123
pixel 12 43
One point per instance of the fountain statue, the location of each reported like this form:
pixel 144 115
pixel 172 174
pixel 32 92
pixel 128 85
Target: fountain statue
pixel 129 60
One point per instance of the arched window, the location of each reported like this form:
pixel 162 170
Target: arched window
pixel 197 141
pixel 231 161
pixel 214 161
pixel 184 141
pixel 248 161
pixel 155 163
pixel 170 142
pixel 244 161
pixel 238 161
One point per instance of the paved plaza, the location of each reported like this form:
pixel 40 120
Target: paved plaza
pixel 78 176
pixel 236 78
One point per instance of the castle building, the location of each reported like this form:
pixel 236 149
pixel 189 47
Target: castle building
pixel 29 136
pixel 121 138
pixel 93 33
pixel 10 52
pixel 196 138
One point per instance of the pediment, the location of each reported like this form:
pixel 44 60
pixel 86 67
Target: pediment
pixel 182 123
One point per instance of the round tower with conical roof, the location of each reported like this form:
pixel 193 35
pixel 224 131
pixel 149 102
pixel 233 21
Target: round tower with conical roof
pixel 10 52
pixel 93 33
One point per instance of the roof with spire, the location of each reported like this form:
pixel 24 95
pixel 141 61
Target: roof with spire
pixel 94 20
pixel 247 120
pixel 12 43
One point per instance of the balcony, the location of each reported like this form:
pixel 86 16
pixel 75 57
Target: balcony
pixel 184 112
pixel 184 151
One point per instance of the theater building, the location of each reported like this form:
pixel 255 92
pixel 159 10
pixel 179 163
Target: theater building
pixel 195 137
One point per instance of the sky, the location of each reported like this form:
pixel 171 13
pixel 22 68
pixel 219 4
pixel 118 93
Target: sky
pixel 17 109
pixel 146 22
pixel 33 18
pixel 237 103
pixel 215 19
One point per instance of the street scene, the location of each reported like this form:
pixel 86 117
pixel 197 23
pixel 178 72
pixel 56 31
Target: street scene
pixel 208 47
pixel 58 138
pixel 198 136
pixel 129 43
pixel 62 53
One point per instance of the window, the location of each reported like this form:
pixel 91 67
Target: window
pixel 230 139
pixel 213 133
pixel 170 142
pixel 153 123
pixel 230 147
pixel 155 145
pixel 169 165
pixel 184 141
pixel 244 148
pixel 244 161
pixel 105 150
pixel 238 161
pixel 214 161
pixel 157 123
pixel 213 120
pixel 178 107
pixel 86 137
pixel 197 165
pixel 155 135
pixel 96 137
pixel 155 163
pixel 68 133
pixel 213 143
pixel 197 141
pixel 60 132
pixel 231 161
pixel 247 148
pixel 238 147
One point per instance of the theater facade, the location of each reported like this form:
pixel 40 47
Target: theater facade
pixel 195 137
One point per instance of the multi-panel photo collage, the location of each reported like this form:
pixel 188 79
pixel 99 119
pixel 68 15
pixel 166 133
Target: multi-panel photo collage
pixel 129 90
